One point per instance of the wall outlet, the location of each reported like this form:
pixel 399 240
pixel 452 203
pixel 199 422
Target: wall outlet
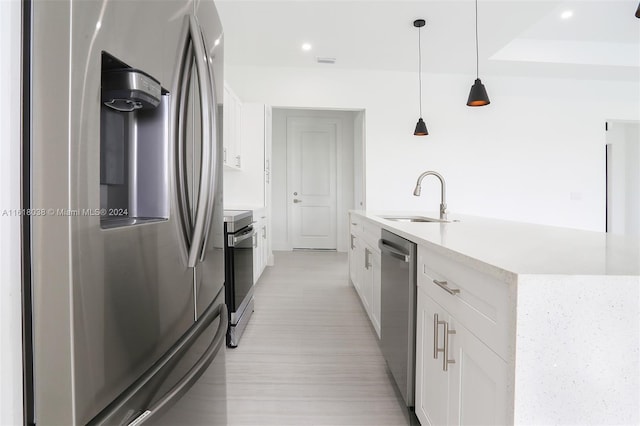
pixel 575 196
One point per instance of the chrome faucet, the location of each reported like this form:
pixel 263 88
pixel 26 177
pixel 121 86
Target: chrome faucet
pixel 443 192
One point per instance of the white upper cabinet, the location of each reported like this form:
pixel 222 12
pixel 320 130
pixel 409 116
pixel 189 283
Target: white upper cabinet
pixel 247 177
pixel 250 185
pixel 232 129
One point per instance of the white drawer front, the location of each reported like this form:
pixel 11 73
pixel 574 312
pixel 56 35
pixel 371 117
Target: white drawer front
pixel 371 234
pixel 355 225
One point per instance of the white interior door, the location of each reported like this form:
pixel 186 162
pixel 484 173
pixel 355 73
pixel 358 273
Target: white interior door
pixel 311 182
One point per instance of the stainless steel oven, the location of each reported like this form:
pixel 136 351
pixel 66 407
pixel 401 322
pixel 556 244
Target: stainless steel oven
pixel 239 244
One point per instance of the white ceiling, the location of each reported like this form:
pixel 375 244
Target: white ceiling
pixel 517 37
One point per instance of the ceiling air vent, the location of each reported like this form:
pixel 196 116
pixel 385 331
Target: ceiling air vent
pixel 326 60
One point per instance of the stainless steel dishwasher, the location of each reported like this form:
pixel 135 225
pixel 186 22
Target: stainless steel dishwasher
pixel 398 311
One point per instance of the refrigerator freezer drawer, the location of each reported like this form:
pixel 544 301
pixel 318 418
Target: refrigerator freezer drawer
pixel 162 385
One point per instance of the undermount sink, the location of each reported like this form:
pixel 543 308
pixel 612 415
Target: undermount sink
pixel 415 219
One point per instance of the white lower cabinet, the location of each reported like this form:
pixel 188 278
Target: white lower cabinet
pixel 260 247
pixel 354 270
pixel 460 379
pixel 366 284
pixel 264 244
pixel 479 395
pixel 371 285
pixel 364 268
pixel 432 383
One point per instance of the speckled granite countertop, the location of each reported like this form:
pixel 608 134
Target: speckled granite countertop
pixel 519 248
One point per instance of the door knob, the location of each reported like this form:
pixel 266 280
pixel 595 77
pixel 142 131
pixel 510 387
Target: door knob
pixel 295 200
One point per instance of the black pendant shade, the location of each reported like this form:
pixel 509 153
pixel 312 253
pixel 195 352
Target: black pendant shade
pixel 421 128
pixel 638 11
pixel 478 95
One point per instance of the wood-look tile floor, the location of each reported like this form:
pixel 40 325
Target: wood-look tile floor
pixel 309 355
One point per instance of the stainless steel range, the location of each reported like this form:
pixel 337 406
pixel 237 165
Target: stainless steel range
pixel 238 249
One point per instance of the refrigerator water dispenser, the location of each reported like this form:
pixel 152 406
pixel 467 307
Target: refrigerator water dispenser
pixel 134 143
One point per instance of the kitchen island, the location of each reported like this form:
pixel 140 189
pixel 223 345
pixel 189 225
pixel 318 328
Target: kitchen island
pixel 542 323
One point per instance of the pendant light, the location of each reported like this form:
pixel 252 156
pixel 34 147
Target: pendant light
pixel 421 127
pixel 478 94
pixel 638 11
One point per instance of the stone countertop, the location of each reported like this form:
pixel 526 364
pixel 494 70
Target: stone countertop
pixel 502 247
pixel 259 212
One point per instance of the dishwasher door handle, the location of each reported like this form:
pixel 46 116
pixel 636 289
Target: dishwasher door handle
pixel 393 252
pixel 234 240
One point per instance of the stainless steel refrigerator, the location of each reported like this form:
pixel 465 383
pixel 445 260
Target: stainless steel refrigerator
pixel 123 248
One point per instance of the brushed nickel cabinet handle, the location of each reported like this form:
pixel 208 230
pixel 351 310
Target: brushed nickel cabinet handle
pixel 436 324
pixel 367 254
pixel 445 359
pixel 353 239
pixel 444 285
pixel 295 200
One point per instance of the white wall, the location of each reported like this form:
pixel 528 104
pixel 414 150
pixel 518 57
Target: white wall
pixel 345 181
pixel 536 154
pixel 10 290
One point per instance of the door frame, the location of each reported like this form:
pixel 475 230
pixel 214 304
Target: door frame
pixel 351 169
pixel 331 121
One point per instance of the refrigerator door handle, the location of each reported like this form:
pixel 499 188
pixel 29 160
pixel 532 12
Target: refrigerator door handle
pixel 213 160
pixel 195 229
pixel 170 357
pixel 202 71
pixel 179 113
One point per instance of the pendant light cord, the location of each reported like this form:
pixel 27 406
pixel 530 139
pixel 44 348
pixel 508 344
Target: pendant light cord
pixel 420 71
pixel 477 55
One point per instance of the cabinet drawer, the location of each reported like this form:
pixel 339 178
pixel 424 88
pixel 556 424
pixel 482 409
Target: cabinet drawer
pixel 371 234
pixel 355 225
pixel 480 302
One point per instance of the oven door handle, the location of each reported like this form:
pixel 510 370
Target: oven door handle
pixel 235 240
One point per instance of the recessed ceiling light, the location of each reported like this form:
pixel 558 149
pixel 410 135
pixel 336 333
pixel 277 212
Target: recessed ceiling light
pixel 566 14
pixel 306 46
